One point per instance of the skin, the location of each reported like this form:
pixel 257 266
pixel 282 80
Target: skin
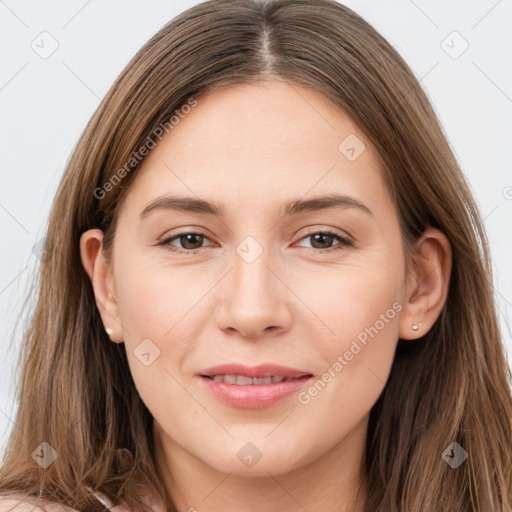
pixel 253 148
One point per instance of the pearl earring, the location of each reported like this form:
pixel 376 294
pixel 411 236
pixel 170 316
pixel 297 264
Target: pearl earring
pixel 109 331
pixel 415 327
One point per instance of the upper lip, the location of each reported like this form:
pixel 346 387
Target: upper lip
pixel 260 371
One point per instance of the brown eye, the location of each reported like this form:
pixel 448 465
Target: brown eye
pixel 188 243
pixel 191 240
pixel 323 241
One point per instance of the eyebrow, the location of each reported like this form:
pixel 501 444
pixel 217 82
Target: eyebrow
pixel 196 205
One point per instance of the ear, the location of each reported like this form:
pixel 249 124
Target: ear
pixel 100 274
pixel 426 284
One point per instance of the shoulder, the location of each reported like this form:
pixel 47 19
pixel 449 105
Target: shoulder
pixel 24 505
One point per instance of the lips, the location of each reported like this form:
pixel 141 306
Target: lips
pixel 252 387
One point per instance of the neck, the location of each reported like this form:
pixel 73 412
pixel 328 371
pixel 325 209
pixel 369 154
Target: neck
pixel 334 482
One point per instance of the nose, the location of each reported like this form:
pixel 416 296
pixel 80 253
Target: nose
pixel 254 299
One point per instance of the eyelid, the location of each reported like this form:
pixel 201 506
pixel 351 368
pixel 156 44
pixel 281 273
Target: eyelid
pixel 329 230
pixel 166 239
pixel 186 230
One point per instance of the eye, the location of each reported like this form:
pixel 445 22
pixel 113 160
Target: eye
pixel 321 241
pixel 190 242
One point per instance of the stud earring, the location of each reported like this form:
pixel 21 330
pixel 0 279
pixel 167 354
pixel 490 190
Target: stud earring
pixel 415 327
pixel 109 331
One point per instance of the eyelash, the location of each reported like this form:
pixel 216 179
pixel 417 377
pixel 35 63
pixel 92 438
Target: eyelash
pixel 344 242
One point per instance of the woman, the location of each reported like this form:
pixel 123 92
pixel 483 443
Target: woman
pixel 266 287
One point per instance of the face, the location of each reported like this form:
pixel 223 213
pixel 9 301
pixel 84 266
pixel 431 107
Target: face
pixel 315 287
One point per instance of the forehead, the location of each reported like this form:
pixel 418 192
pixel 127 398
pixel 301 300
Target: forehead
pixel 262 140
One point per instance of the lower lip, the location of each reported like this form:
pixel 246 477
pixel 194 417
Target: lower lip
pixel 253 396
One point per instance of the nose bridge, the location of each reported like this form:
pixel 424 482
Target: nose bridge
pixel 251 277
pixel 253 297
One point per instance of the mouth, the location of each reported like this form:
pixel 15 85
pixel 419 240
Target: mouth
pixel 243 380
pixel 253 387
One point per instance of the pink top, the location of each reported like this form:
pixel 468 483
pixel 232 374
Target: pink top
pixel 120 508
pixel 24 505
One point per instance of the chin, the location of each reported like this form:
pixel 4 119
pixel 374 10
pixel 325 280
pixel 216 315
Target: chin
pixel 251 461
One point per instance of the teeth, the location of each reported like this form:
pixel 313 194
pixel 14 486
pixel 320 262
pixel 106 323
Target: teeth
pixel 262 380
pixel 242 380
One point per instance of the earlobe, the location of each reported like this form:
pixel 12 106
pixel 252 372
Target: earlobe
pixel 99 272
pixel 427 284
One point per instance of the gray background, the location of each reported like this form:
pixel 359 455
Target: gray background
pixel 45 104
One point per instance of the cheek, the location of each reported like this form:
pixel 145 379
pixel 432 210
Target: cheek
pixel 362 309
pixel 156 317
pixel 157 300
pixel 349 298
pixel 162 315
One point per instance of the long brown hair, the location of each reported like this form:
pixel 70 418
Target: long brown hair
pixel 452 385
